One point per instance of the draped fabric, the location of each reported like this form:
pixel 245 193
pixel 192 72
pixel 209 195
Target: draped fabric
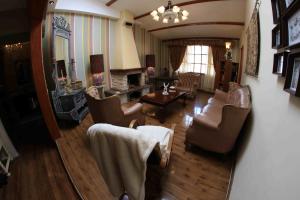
pixel 218 53
pixel 208 81
pixel 177 53
pixel 197 41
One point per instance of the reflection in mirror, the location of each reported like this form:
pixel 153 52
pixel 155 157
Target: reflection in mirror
pixel 62 55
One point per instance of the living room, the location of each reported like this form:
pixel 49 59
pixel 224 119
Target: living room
pixel 140 99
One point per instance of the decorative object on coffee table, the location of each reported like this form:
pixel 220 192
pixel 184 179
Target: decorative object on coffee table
pixel 165 92
pixel 292 83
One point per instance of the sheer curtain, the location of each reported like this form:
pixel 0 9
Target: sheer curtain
pixel 199 59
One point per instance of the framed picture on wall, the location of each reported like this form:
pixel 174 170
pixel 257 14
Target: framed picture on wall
pixel 280 63
pixel 292 82
pixel 276 11
pixel 295 74
pixel 291 25
pixel 288 3
pixel 277 40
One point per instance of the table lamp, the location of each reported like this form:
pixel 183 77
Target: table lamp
pixel 97 68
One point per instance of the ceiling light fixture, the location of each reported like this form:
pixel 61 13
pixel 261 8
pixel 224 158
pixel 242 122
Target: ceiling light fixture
pixel 169 13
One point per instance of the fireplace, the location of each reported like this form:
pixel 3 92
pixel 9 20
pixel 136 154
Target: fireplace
pixel 128 83
pixel 123 80
pixel 133 80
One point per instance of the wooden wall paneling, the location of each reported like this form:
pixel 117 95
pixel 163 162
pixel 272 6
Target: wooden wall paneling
pixel 37 10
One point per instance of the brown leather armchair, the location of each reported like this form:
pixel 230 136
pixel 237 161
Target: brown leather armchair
pixel 219 124
pixel 109 109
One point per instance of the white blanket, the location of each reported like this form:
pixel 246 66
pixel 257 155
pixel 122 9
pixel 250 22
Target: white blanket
pixel 121 154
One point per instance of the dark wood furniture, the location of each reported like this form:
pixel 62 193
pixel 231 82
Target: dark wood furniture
pixel 70 106
pixel 162 101
pixel 228 73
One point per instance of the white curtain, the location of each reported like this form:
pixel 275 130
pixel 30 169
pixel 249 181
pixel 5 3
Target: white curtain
pixel 208 80
pixel 4 139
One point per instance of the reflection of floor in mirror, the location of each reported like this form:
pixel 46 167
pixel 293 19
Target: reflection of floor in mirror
pixel 190 175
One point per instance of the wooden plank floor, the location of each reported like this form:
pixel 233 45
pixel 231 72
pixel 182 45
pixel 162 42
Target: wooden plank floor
pixel 38 173
pixel 195 175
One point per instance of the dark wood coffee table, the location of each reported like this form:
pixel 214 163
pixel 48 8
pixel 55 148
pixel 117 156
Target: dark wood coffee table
pixel 162 101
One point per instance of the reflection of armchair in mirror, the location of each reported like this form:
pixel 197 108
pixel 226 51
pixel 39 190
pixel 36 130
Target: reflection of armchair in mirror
pixel 69 103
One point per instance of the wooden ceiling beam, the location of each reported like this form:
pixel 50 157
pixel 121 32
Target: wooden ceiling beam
pixel 198 24
pixel 201 38
pixel 179 4
pixel 111 2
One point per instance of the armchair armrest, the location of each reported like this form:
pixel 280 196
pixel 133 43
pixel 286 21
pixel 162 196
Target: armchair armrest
pixel 205 122
pixel 220 95
pixel 176 83
pixel 134 109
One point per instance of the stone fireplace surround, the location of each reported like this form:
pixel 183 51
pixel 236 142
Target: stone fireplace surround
pixel 120 78
pixel 125 88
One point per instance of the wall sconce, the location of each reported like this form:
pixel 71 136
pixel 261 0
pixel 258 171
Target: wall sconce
pixel 97 68
pixel 228 54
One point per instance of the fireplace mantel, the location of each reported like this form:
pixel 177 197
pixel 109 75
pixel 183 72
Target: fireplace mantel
pixel 127 71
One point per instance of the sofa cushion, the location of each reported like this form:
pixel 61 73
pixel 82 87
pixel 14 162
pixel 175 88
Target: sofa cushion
pixel 213 113
pixel 239 97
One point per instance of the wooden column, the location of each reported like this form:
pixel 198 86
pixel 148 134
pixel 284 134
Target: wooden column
pixel 37 10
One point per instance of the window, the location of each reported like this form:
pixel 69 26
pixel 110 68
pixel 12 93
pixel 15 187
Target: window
pixel 196 59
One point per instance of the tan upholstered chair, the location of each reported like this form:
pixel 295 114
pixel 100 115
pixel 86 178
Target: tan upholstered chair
pixel 219 124
pixel 189 82
pixel 109 109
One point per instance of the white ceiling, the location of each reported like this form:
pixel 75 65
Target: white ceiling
pixel 222 11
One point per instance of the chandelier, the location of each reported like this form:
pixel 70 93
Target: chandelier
pixel 169 13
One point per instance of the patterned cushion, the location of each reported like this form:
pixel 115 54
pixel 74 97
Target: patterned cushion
pixel 93 92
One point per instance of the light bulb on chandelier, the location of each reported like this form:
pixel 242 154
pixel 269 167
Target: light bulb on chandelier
pixel 169 13
pixel 156 18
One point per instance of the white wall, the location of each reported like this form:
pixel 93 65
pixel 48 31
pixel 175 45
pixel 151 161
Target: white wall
pixel 268 167
pixel 92 7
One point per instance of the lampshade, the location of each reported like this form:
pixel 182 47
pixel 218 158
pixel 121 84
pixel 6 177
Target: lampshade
pixel 228 45
pixel 61 68
pixel 150 60
pixel 97 64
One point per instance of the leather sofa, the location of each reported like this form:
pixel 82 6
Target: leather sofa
pixel 109 110
pixel 217 127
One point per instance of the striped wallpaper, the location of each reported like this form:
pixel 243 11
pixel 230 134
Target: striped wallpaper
pixel 146 43
pixel 94 35
pixel 89 35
